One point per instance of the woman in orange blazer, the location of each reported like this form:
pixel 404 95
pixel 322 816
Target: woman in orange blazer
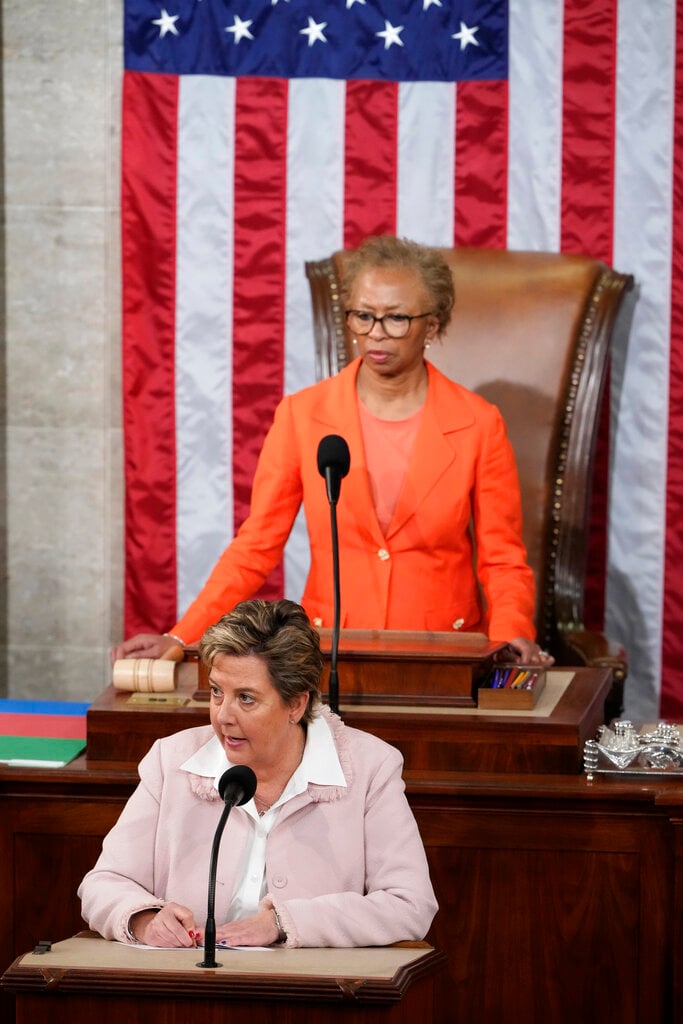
pixel 429 515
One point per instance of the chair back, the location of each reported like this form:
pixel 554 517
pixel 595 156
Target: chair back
pixel 531 332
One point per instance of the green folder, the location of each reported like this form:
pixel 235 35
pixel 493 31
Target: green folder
pixel 38 751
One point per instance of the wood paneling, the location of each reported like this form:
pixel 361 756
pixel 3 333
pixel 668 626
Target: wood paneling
pixel 538 907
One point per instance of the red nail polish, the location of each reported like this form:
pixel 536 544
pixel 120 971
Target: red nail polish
pixel 191 934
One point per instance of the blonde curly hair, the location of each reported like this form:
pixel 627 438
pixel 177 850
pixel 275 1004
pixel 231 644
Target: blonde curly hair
pixel 388 251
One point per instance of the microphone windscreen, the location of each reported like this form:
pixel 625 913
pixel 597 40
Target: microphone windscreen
pixel 238 781
pixel 333 452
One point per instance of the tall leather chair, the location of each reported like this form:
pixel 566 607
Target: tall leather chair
pixel 532 333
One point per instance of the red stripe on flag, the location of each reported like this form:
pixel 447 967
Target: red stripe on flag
pixel 371 160
pixel 588 128
pixel 259 291
pixel 671 705
pixel 148 219
pixel 63 727
pixel 481 167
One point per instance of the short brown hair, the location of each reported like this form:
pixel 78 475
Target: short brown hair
pixel 390 251
pixel 280 634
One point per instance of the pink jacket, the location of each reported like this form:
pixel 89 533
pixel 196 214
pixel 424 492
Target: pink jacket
pixel 420 575
pixel 344 866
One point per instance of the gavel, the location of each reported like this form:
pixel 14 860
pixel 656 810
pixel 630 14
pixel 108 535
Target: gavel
pixel 148 675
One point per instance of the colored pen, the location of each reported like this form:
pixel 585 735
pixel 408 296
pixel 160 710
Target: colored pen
pixel 512 677
pixel 521 678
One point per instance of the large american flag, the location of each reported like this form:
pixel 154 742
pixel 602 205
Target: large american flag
pixel 258 134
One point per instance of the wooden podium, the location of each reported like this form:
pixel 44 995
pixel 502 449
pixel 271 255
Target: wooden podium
pixel 376 668
pixel 86 979
pixel 123 726
pixel 399 667
pixel 417 691
pixel 396 666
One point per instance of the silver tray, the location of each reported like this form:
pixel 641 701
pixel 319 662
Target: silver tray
pixel 621 750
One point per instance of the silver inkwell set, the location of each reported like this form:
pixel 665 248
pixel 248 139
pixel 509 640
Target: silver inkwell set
pixel 620 748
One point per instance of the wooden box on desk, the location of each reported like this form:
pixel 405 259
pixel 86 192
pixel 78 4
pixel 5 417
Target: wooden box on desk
pixel 403 667
pixel 507 697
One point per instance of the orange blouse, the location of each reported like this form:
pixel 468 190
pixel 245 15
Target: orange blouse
pixel 388 446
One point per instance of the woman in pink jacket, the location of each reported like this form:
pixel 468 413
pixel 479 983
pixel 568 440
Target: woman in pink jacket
pixel 327 853
pixel 430 513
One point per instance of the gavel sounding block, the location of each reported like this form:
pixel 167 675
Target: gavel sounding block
pixel 144 675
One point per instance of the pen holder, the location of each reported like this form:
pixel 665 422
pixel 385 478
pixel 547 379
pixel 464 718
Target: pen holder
pixel 511 688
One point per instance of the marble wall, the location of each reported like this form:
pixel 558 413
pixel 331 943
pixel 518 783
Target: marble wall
pixel 62 446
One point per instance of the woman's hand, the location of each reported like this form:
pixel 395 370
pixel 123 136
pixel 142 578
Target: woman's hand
pixel 258 930
pixel 526 652
pixel 172 926
pixel 143 645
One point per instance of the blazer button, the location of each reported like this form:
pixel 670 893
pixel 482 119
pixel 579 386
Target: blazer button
pixel 383 555
pixel 458 624
pixel 279 881
pixel 317 622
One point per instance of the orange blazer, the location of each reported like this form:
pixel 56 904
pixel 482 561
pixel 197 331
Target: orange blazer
pixel 419 576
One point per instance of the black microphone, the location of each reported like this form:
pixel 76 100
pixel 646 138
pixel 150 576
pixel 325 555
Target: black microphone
pixel 236 786
pixel 334 460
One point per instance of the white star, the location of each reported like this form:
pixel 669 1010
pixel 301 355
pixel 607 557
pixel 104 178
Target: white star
pixel 426 4
pixel 390 34
pixel 466 35
pixel 240 29
pixel 166 23
pixel 314 31
pixel 273 2
pixel 350 3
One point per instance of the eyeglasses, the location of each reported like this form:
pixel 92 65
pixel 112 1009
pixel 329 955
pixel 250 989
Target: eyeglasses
pixel 396 325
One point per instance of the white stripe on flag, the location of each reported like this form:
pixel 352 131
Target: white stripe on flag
pixel 204 522
pixel 315 229
pixel 535 125
pixel 642 246
pixel 315 208
pixel 426 162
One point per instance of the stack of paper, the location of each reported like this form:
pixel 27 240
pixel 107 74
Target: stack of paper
pixel 41 733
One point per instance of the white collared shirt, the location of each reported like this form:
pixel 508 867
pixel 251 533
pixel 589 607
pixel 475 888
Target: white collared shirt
pixel 319 765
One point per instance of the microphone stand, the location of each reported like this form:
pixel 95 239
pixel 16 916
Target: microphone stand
pixel 210 929
pixel 237 785
pixel 333 695
pixel 333 463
